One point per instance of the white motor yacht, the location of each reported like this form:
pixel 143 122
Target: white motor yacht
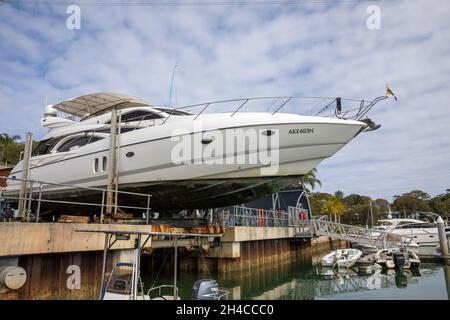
pixel 76 150
pixel 423 233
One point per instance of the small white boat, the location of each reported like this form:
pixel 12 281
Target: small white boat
pixel 341 258
pixel 399 258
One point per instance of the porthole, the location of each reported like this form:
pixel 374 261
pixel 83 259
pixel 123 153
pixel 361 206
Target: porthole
pixel 268 133
pixel 96 165
pixel 104 164
pixel 207 140
pixel 129 154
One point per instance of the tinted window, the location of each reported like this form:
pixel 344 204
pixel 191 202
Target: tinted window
pixel 45 146
pixel 417 226
pixel 77 142
pixel 122 130
pixel 174 111
pixel 139 116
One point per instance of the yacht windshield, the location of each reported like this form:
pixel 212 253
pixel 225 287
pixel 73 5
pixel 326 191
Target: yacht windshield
pixel 77 142
pixel 139 115
pixel 45 146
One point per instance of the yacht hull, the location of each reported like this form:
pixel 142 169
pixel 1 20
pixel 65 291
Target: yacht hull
pixel 147 165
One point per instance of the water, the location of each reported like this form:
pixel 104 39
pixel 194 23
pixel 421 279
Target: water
pixel 304 278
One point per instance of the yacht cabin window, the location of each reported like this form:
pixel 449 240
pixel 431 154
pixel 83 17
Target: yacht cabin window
pixel 76 142
pixel 175 112
pixel 45 146
pixel 417 226
pixel 139 115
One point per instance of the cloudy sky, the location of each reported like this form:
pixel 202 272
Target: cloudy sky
pixel 229 49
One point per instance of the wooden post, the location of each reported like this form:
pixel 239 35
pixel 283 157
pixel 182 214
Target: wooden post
pixel 112 161
pixel 116 161
pixel 25 175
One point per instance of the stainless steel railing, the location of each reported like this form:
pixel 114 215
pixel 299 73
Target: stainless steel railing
pixel 374 237
pixel 36 190
pixel 354 108
pixel 253 217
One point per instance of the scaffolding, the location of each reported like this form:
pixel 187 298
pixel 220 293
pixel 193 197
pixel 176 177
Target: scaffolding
pixel 34 192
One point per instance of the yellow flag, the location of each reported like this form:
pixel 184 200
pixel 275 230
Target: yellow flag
pixel 389 92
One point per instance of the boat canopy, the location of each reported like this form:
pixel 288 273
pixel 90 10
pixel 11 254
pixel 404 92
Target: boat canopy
pixel 95 104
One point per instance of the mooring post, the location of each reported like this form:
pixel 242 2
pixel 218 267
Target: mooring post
pixel 442 236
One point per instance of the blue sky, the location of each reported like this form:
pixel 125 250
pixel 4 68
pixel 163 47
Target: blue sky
pixel 232 51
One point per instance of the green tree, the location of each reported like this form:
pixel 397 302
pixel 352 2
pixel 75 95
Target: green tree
pixel 339 194
pixel 10 148
pixel 411 202
pixel 440 204
pixel 383 203
pixel 310 180
pixel 352 199
pixel 334 206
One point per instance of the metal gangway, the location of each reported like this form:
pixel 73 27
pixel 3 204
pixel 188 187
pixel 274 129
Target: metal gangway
pixel 321 226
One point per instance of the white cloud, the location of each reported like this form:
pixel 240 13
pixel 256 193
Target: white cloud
pixel 238 51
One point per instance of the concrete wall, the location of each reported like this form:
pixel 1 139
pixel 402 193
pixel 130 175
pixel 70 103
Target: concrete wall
pixel 17 238
pixel 237 234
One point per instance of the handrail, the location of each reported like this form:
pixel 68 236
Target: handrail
pixel 71 186
pixel 41 188
pixel 354 233
pixel 160 288
pixel 244 101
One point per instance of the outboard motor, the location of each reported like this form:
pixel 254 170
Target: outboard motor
pixel 205 289
pixel 399 260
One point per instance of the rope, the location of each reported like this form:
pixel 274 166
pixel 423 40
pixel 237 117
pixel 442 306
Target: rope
pixel 160 269
pixel 204 262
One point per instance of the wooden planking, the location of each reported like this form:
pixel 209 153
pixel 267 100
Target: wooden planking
pixel 74 219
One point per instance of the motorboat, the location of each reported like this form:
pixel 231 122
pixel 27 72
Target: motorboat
pixel 341 258
pixel 421 232
pixel 120 286
pixel 398 258
pixel 179 156
pixel 369 249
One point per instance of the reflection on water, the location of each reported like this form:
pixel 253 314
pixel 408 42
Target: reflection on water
pixel 303 278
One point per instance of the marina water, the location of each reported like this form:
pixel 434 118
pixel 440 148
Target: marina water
pixel 303 278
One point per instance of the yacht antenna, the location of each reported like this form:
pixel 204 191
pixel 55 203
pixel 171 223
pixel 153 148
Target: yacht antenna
pixel 171 85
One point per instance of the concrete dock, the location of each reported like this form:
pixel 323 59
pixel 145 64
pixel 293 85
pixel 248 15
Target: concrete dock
pixel 48 252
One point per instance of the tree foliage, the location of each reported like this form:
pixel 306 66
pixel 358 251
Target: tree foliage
pixel 334 206
pixel 309 181
pixel 411 202
pixel 10 148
